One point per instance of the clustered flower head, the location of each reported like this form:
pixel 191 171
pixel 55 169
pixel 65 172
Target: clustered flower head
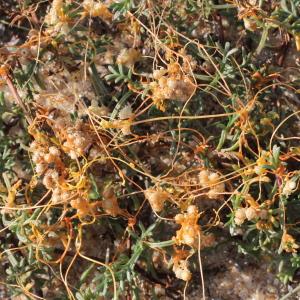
pixel 83 206
pixel 289 243
pixel 211 180
pixel 156 198
pixel 180 268
pixel 43 156
pixel 249 213
pixel 261 162
pixel 75 153
pixel 55 13
pixel 128 57
pixel 289 187
pixel 77 141
pixel 125 112
pixel 51 169
pixel 189 232
pixel 171 83
pixel 189 62
pixel 248 15
pixel 50 179
pixel 110 202
pixel 56 18
pixel 75 138
pixel 96 9
pixel 60 195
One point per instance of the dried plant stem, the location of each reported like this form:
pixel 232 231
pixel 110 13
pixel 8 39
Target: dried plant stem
pixel 292 292
pixel 200 266
pixel 18 98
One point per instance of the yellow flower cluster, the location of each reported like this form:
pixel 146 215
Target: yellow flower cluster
pixel 289 243
pixel 83 206
pixel 96 9
pixel 261 162
pixel 190 230
pixel 156 198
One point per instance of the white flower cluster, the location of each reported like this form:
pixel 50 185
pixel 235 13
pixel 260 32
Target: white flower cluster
pixel 249 213
pixel 61 196
pixel 289 187
pixel 50 179
pixel 211 180
pixel 171 84
pixel 77 142
pixel 52 18
pixel 181 270
pixel 56 19
pixel 125 112
pixel 43 156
